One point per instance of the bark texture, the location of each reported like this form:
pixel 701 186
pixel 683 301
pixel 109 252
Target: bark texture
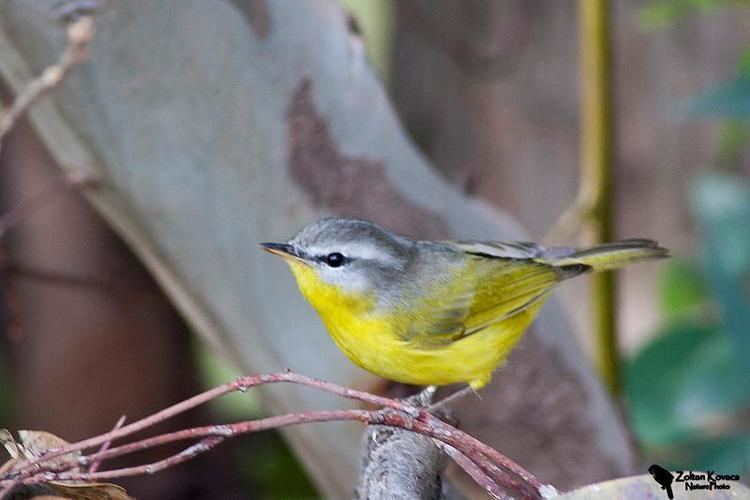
pixel 90 335
pixel 211 126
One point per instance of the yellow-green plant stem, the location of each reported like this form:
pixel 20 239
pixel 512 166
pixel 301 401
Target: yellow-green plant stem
pixel 595 196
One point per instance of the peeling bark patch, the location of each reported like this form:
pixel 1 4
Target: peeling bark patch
pixel 399 464
pixel 257 15
pixel 538 413
pixel 345 185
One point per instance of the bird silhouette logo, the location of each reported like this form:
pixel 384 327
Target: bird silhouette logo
pixel 663 477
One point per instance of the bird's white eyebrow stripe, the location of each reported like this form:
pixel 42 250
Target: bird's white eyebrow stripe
pixel 354 251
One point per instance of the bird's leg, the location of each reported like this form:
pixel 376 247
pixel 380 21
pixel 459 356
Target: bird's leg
pixel 424 397
pixel 451 397
pixel 420 400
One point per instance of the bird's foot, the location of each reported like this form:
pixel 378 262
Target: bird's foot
pixel 424 398
pixel 452 397
pixel 416 404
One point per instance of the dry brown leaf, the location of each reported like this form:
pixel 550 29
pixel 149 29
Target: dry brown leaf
pixel 9 443
pixel 36 443
pixel 33 444
pixel 90 491
pixel 7 466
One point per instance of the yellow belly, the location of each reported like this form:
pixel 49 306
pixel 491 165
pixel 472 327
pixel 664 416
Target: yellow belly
pixel 371 344
pixel 369 339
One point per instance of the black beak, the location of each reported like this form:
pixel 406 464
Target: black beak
pixel 281 249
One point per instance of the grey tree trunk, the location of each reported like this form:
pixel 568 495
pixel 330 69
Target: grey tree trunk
pixel 211 126
pixel 90 335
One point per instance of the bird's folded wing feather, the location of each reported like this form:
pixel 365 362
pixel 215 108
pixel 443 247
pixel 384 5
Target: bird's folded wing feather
pixel 498 281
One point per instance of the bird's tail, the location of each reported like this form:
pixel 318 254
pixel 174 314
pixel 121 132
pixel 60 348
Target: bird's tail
pixel 613 255
pixel 670 495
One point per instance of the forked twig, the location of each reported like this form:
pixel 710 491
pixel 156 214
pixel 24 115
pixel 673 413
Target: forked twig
pixel 493 471
pixel 105 445
pixel 80 33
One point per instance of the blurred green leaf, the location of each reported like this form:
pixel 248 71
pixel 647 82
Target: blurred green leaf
pixel 744 64
pixel 214 371
pixel 680 382
pixel 721 203
pixel 683 288
pixel 729 100
pixel 273 470
pixel 265 459
pixel 662 13
pixel 729 455
pixel 734 139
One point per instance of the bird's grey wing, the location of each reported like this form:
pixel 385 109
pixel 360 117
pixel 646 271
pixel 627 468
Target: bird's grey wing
pixel 513 249
pixel 516 276
pixel 439 316
pixel 499 280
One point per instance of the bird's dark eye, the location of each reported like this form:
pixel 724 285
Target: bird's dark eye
pixel 335 259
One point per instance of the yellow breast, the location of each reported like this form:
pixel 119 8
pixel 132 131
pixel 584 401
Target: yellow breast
pixel 373 339
pixel 347 316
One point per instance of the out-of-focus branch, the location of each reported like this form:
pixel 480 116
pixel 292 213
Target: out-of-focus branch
pixel 597 159
pixel 80 33
pixel 493 470
pixel 473 470
pixel 105 446
pixel 591 213
pixel 594 189
pixel 188 453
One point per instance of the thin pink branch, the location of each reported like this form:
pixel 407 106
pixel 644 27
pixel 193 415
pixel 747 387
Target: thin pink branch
pixel 229 430
pixel 431 428
pixel 89 477
pixel 476 472
pixel 188 453
pixel 479 457
pixel 95 465
pixel 471 446
pixel 240 384
pixel 80 33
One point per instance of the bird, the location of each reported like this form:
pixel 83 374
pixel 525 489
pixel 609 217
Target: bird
pixel 433 313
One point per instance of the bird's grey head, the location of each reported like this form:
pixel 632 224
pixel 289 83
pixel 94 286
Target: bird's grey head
pixel 352 253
